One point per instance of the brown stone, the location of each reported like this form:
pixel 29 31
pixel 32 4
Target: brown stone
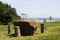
pixel 27 27
pixel 42 28
pixel 9 29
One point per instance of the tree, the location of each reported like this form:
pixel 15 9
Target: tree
pixel 44 21
pixel 50 18
pixel 24 16
pixel 7 14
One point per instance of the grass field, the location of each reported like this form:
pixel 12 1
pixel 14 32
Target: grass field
pixel 52 32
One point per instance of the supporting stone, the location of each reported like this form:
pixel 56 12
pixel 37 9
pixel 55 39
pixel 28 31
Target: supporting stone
pixel 42 28
pixel 17 30
pixel 9 29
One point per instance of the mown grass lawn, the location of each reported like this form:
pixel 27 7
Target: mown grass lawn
pixel 52 32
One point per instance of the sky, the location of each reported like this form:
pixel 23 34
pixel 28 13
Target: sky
pixel 36 8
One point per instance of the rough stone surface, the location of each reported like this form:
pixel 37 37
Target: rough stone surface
pixel 27 27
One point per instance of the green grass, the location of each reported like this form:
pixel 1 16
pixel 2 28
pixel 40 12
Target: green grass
pixel 52 32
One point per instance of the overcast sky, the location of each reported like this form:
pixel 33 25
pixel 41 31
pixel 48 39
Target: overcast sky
pixel 36 8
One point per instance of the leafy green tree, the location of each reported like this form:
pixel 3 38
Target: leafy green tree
pixel 44 21
pixel 7 14
pixel 50 18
